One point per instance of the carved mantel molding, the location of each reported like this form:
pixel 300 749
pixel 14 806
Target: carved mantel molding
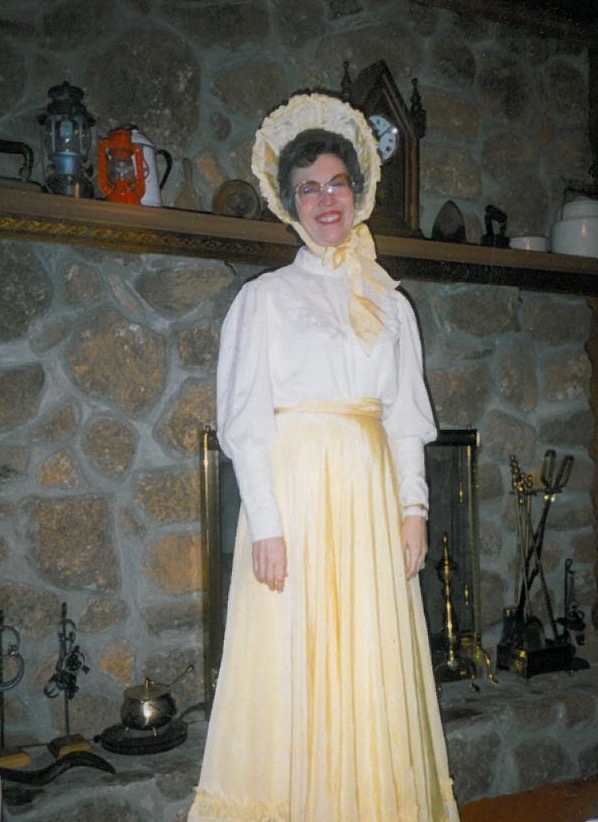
pixel 34 216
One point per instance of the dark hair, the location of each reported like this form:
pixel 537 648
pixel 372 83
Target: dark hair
pixel 304 150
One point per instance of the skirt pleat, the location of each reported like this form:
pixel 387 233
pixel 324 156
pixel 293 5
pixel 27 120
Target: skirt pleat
pixel 325 708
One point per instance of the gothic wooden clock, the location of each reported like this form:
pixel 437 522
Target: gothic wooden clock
pixel 399 131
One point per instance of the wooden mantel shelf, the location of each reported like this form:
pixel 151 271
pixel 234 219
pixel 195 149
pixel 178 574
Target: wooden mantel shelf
pixel 32 215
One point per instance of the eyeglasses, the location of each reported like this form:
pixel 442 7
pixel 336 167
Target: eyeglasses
pixel 340 185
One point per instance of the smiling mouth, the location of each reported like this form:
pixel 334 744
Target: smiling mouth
pixel 329 217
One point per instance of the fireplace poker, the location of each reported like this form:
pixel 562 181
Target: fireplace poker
pixel 522 488
pixel 534 549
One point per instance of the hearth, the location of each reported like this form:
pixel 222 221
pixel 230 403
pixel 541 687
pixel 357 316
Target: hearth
pixel 133 742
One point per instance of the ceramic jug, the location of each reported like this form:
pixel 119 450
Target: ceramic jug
pixel 153 182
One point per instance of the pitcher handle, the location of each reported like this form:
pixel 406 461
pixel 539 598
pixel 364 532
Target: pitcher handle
pixel 168 160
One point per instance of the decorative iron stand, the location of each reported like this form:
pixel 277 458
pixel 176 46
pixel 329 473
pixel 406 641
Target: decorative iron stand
pixel 64 680
pixel 10 653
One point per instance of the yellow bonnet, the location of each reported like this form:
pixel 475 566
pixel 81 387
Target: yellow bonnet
pixel 357 253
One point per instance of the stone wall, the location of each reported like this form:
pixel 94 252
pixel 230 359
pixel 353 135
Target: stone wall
pixel 108 359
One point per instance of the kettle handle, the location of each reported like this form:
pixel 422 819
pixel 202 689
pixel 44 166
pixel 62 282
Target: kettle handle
pixel 168 160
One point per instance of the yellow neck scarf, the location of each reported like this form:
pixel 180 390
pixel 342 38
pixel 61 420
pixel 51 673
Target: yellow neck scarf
pixel 358 253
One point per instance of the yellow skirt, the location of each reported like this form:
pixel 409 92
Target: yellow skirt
pixel 326 708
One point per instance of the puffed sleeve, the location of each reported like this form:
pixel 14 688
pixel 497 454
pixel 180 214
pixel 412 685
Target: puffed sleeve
pixel 409 420
pixel 246 421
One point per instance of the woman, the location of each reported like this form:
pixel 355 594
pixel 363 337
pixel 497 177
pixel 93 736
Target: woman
pixel 325 709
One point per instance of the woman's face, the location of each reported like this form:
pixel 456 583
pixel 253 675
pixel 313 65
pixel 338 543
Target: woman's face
pixel 325 213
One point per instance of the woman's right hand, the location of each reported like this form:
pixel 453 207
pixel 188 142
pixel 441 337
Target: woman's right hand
pixel 270 562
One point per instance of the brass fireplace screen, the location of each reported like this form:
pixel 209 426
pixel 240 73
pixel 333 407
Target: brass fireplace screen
pixel 450 581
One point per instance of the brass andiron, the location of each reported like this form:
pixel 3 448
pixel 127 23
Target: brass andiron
pixel 464 653
pixel 471 647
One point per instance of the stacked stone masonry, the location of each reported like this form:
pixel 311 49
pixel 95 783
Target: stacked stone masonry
pixel 107 360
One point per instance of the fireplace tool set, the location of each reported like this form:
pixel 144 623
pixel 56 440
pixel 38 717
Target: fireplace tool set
pixel 525 645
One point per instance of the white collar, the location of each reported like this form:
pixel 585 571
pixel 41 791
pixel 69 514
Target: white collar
pixel 309 261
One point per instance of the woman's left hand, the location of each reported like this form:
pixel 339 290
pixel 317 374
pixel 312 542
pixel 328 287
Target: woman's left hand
pixel 270 562
pixel 415 544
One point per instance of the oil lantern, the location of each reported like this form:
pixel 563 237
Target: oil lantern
pixel 121 167
pixel 66 139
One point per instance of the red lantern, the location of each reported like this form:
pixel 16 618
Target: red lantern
pixel 121 167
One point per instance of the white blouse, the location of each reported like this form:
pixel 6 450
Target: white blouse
pixel 287 339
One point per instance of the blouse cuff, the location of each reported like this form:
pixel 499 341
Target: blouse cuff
pixel 411 471
pixel 253 473
pixel 265 523
pixel 416 510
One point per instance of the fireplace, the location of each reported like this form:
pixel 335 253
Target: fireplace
pixel 452 610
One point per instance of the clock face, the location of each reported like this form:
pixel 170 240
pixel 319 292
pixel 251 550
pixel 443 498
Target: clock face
pixel 387 134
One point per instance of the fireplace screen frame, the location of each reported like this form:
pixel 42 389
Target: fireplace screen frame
pixel 451 465
pixel 453 526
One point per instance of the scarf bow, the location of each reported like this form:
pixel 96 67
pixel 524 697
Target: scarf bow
pixel 358 254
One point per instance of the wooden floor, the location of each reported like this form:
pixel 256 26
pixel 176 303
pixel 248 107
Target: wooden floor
pixel 572 801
